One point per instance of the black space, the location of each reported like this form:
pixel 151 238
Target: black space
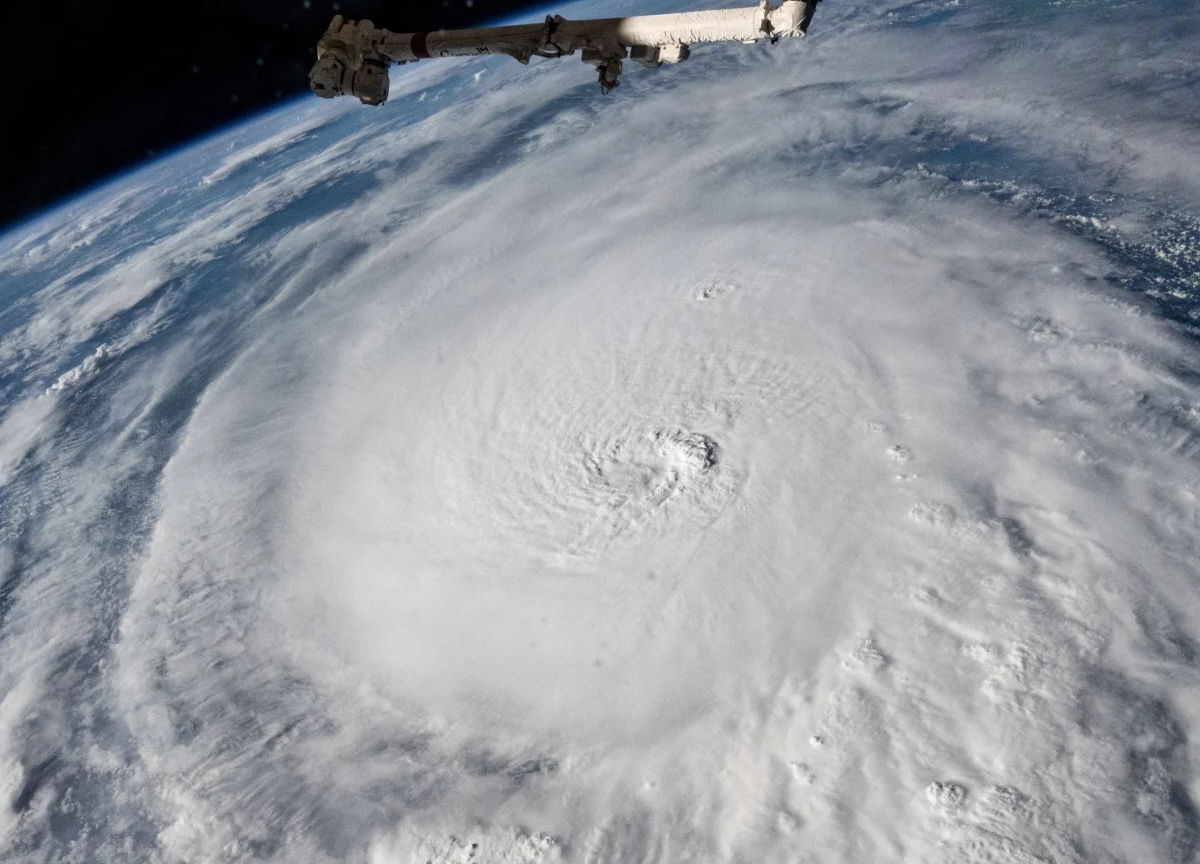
pixel 100 86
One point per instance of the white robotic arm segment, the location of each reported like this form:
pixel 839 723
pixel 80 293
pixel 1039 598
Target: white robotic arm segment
pixel 352 56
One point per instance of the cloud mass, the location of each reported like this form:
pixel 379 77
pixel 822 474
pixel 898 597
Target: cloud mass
pixel 791 457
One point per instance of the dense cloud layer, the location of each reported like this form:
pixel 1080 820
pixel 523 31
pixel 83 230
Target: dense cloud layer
pixel 793 457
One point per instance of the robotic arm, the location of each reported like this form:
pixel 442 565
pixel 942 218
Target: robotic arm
pixel 353 56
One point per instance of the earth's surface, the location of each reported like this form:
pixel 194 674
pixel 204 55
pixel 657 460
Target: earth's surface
pixel 792 457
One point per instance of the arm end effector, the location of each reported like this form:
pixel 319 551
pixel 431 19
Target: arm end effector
pixel 349 63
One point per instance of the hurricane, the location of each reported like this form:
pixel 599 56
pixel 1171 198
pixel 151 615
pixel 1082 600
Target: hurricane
pixel 793 456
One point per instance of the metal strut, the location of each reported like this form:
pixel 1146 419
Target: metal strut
pixel 552 22
pixel 609 75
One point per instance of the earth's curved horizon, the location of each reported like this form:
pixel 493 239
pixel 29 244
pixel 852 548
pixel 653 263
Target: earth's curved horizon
pixel 789 457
